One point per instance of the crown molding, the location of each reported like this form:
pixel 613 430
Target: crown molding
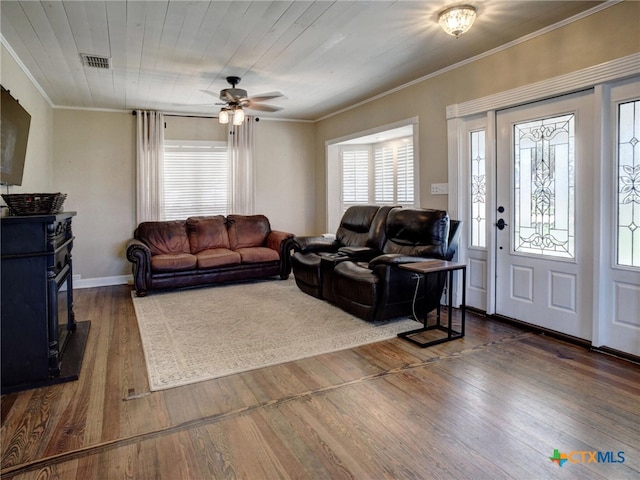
pixel 586 78
pixel 25 70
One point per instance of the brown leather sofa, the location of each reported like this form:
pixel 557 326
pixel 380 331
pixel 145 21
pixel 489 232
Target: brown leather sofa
pixel 206 250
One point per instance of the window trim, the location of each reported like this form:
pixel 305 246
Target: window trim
pixel 333 184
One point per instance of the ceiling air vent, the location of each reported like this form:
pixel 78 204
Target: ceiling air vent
pixel 96 61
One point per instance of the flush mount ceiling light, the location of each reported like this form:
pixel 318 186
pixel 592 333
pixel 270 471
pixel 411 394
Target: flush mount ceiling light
pixel 457 20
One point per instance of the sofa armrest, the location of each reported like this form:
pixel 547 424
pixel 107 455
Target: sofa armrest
pixel 314 244
pixel 281 242
pixel 276 239
pixel 140 257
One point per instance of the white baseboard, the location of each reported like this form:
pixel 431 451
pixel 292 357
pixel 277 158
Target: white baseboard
pixel 103 281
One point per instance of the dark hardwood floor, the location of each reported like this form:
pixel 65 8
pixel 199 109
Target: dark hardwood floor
pixel 494 405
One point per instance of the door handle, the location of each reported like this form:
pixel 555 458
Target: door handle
pixel 501 224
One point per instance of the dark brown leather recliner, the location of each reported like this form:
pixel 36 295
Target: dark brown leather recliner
pixel 360 236
pixel 379 289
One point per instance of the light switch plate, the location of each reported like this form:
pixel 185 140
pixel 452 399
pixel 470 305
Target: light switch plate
pixel 439 188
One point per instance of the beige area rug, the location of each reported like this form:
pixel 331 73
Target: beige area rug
pixel 194 335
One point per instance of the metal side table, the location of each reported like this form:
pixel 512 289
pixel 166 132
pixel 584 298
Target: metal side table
pixel 436 266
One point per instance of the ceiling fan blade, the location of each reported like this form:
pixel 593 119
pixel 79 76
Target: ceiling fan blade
pixel 229 98
pixel 261 107
pixel 210 93
pixel 196 104
pixel 265 96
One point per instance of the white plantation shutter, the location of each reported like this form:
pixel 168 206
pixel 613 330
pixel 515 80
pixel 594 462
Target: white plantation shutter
pixel 355 176
pixel 405 174
pixel 196 179
pixel 384 174
pixel 381 173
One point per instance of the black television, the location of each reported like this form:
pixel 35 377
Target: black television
pixel 14 134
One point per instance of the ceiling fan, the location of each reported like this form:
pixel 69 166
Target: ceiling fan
pixel 238 97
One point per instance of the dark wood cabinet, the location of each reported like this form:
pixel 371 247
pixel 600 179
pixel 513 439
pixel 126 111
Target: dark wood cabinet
pixel 41 341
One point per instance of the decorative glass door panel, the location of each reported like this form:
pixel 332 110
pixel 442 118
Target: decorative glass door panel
pixel 544 187
pixel 474 215
pixel 478 189
pixel 628 143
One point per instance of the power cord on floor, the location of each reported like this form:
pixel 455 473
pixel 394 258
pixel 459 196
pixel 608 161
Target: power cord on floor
pixel 415 296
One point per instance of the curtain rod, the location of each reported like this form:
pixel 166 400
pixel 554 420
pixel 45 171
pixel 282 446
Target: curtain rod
pixel 135 112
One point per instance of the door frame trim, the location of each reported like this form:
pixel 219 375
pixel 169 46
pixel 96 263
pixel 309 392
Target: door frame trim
pixel 590 77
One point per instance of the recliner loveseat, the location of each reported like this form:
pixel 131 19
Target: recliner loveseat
pixel 380 289
pixel 373 287
pixel 360 236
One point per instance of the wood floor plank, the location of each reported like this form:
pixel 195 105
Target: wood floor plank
pixel 492 405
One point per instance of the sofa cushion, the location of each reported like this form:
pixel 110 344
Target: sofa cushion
pixel 247 230
pixel 207 233
pixel 172 262
pixel 217 257
pixel 258 254
pixel 164 237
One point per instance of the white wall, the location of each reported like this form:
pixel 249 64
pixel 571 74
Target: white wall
pixel 94 163
pixel 38 168
pixel 284 175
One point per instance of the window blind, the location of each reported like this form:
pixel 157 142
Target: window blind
pixel 196 179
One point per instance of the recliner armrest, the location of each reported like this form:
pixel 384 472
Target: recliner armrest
pixel 395 259
pixel 314 244
pixel 359 253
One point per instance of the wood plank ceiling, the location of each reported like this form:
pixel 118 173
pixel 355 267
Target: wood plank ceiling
pixel 322 55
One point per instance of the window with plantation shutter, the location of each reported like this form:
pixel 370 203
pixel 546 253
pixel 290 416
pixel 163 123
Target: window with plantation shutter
pixel 379 173
pixel 196 179
pixel 355 176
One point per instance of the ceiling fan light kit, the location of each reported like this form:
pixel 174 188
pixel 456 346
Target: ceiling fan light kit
pixel 223 116
pixel 457 20
pixel 238 116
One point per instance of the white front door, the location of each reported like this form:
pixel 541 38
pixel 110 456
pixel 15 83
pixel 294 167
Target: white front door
pixel 545 214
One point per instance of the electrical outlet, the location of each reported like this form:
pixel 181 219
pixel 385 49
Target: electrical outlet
pixel 439 188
